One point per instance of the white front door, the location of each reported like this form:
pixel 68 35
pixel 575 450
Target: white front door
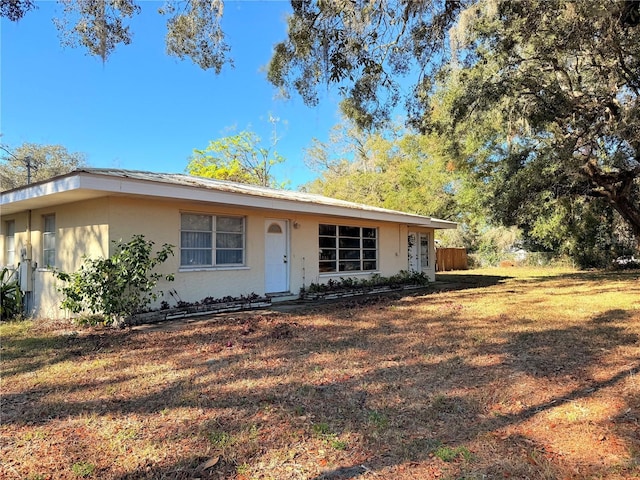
pixel 276 268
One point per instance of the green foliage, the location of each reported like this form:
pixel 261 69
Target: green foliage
pixel 45 161
pixel 220 439
pixel 83 469
pixel 449 454
pixel 538 119
pixel 338 444
pixel 193 27
pixel 321 428
pixel 323 431
pixel 395 169
pixel 96 26
pixel 15 10
pixel 363 47
pixel 194 32
pixel 345 283
pixel 119 286
pixel 541 119
pixel 10 295
pixel 378 420
pixel 237 158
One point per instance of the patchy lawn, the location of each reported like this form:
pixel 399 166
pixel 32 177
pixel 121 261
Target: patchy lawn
pixel 514 373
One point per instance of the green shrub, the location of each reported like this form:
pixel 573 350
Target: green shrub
pixel 116 287
pixel 376 280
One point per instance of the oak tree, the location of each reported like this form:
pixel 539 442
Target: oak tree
pixel 560 79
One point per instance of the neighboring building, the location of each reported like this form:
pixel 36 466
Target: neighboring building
pixel 230 239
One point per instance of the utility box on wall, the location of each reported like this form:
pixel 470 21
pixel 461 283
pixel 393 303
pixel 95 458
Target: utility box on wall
pixel 26 276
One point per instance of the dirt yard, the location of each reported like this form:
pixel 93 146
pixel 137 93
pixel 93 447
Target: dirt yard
pixel 503 373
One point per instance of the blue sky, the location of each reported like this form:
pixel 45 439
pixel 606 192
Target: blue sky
pixel 145 110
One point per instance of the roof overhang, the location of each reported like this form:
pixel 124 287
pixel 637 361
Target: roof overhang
pixel 92 183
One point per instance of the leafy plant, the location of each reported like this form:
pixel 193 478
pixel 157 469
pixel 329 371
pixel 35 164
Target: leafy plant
pixel 220 439
pixel 403 277
pixel 321 428
pixel 449 454
pixel 10 295
pixel 378 420
pixel 119 286
pixel 339 444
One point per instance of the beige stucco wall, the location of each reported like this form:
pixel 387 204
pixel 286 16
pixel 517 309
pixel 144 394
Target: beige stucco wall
pixel 160 221
pixel 91 227
pixel 81 229
pixel 20 237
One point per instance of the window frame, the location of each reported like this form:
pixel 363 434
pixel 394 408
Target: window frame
pixel 49 234
pixel 10 243
pixel 342 247
pixel 213 249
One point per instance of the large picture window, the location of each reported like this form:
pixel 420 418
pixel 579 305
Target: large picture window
pixel 211 240
pixel 347 249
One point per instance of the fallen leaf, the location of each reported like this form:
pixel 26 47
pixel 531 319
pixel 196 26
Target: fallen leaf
pixel 209 463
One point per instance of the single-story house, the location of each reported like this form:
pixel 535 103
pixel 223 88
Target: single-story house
pixel 230 239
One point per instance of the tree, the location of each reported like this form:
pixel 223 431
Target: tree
pixel 397 169
pixel 14 10
pixel 99 26
pixel 569 105
pixel 566 105
pixel 31 162
pixel 365 48
pixel 561 76
pixel 237 158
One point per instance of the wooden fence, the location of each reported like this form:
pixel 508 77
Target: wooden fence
pixel 451 259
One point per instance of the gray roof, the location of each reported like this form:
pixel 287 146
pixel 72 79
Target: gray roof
pixel 100 182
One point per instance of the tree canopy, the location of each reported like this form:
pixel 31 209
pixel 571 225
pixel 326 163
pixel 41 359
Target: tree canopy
pixel 538 101
pixel 38 162
pixel 99 26
pixel 397 169
pixel 237 158
pixel 539 88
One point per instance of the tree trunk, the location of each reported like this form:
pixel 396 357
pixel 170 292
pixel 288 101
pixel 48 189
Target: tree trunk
pixel 617 188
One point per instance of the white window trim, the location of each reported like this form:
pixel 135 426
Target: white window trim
pixel 45 234
pixel 204 268
pixel 351 273
pixel 342 273
pixel 8 252
pixel 214 267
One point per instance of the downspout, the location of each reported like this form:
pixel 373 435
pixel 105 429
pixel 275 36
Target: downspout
pixel 26 270
pixel 29 232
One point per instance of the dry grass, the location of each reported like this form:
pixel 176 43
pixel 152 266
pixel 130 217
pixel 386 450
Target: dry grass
pixel 508 373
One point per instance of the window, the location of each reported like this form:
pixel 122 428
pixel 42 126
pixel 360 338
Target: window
pixel 10 243
pixel 49 241
pixel 209 240
pixel 424 250
pixel 347 249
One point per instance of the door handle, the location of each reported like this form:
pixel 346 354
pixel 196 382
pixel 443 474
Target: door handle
pixel 284 259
